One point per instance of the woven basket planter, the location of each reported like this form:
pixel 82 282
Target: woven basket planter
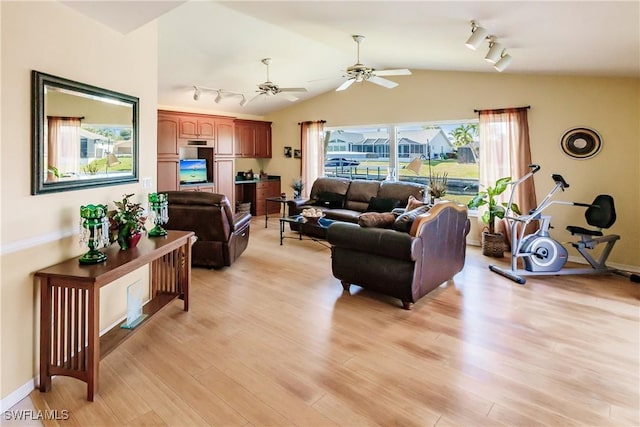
pixel 493 244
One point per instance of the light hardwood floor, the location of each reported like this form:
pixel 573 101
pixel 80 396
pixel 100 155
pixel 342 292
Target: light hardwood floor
pixel 273 341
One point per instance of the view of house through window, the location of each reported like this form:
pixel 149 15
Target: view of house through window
pixel 443 156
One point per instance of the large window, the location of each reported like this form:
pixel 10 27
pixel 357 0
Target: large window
pixel 423 153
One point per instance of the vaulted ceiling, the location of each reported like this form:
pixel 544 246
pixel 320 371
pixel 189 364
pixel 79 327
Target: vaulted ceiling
pixel 219 45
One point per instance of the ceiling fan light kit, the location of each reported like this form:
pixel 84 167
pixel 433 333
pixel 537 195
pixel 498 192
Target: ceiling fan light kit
pixel 360 73
pixel 497 53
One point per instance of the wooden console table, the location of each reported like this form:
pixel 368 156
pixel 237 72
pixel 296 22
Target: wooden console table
pixel 70 343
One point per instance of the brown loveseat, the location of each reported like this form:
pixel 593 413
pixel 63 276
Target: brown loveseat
pixel 343 199
pixel 222 236
pixel 402 265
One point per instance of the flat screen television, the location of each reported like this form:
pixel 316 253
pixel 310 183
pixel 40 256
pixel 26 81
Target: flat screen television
pixel 193 171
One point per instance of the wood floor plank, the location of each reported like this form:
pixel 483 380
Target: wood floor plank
pixel 273 340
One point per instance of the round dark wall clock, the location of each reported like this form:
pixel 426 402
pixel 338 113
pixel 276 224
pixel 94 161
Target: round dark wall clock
pixel 581 143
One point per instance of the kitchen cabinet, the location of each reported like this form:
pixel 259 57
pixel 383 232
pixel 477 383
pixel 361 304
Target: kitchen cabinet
pixel 224 142
pixel 197 127
pixel 266 189
pixel 206 187
pixel 252 139
pixel 168 175
pixel 167 135
pixel 223 170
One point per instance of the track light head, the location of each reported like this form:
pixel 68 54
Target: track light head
pixel 478 35
pixel 244 101
pixel 503 62
pixel 196 93
pixel 218 97
pixel 495 51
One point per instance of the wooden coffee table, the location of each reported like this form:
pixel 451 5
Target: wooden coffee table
pixel 317 231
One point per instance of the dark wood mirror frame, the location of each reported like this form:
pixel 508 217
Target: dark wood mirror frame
pixel 106 111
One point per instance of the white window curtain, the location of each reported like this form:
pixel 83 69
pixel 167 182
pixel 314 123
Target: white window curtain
pixel 63 146
pixel 505 151
pixel 312 147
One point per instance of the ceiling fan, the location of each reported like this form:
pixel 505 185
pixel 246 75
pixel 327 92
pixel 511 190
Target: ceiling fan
pixel 268 88
pixel 359 72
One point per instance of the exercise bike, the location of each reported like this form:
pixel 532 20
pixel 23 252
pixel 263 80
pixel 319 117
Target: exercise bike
pixel 541 254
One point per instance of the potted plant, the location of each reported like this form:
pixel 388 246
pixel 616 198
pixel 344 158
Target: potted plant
pixel 437 186
pixel 297 188
pixel 492 242
pixel 127 222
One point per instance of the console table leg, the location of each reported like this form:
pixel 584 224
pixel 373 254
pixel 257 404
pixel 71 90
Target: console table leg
pixel 45 335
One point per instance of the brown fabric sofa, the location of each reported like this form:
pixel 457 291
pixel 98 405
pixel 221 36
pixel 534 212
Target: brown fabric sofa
pixel 356 196
pixel 222 236
pixel 402 265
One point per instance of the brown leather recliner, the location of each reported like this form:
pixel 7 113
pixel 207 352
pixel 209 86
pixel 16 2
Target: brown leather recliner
pixel 402 265
pixel 222 235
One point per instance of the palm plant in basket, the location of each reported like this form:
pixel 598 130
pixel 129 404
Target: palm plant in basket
pixel 492 242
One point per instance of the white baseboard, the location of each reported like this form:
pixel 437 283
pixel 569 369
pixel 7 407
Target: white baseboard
pixel 17 395
pixel 630 268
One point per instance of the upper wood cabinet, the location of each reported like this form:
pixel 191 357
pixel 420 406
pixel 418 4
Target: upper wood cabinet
pixel 197 127
pixel 252 138
pixel 167 135
pixel 224 137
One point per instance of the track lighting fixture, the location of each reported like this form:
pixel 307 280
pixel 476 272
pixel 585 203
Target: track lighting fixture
pixel 495 50
pixel 497 54
pixel 503 62
pixel 196 93
pixel 478 35
pixel 218 97
pixel 244 101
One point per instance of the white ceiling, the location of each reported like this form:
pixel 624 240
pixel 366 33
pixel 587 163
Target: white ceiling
pixel 219 45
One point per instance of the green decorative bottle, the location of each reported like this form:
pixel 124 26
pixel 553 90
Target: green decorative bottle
pixel 94 232
pixel 159 210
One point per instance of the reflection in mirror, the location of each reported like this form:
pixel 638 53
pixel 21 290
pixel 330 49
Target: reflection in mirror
pixel 83 136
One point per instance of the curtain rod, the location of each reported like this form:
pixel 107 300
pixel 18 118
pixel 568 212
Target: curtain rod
pixel 65 118
pixel 501 110
pixel 310 121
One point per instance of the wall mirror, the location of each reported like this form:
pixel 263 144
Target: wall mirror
pixel 82 136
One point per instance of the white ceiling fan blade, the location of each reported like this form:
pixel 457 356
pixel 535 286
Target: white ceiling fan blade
pixel 399 72
pixel 382 82
pixel 253 99
pixel 345 85
pixel 288 97
pixel 292 89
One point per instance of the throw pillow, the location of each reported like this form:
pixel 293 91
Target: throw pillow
pixel 330 200
pixel 405 221
pixel 378 204
pixel 413 203
pixel 376 219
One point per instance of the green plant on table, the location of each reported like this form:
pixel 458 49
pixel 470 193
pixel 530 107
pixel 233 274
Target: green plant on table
pixel 127 219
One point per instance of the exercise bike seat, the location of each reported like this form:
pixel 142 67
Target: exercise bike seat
pixel 601 213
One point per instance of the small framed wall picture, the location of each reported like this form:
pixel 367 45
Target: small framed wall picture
pixel 287 151
pixel 297 154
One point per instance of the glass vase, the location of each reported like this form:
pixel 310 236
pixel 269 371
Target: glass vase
pixel 94 232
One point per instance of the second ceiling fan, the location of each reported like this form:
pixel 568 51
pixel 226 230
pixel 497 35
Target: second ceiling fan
pixel 359 72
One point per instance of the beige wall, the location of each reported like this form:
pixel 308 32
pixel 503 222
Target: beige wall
pixel 609 105
pixel 37 231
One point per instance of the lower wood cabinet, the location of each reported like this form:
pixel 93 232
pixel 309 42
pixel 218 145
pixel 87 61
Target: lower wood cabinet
pixel 209 188
pixel 266 189
pixel 224 178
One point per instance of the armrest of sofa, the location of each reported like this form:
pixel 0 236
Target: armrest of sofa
pixel 240 220
pixel 378 241
pixel 297 203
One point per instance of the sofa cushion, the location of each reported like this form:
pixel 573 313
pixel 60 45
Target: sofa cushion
pixel 344 215
pixel 331 200
pixel 376 219
pixel 378 204
pixel 329 185
pixel 360 193
pixel 405 221
pixel 401 190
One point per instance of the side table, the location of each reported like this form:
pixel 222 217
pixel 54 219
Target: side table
pixel 282 200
